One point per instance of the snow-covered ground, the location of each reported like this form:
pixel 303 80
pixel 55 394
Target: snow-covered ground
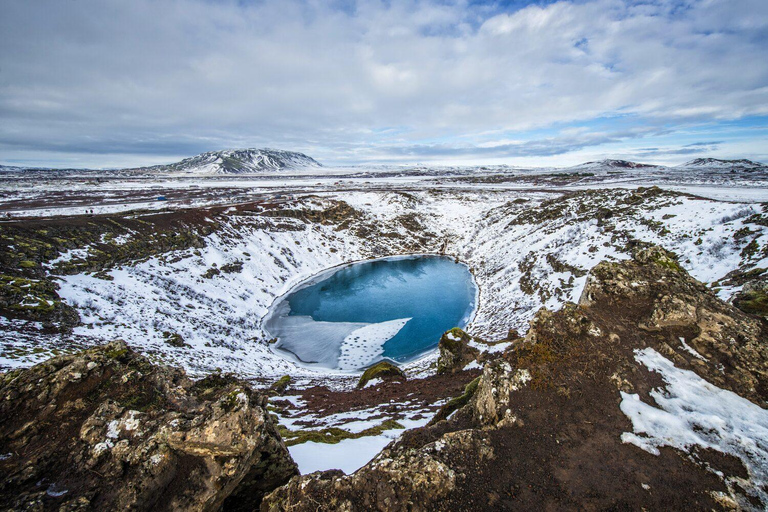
pixel 528 245
pixel 526 250
pixel 691 412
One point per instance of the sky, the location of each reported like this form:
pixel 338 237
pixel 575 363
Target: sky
pixel 115 83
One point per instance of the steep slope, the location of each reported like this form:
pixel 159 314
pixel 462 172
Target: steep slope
pixel 649 394
pixel 240 161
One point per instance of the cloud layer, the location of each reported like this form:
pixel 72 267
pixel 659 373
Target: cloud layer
pixel 372 80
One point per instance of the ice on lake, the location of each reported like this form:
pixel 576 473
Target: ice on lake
pixel 353 316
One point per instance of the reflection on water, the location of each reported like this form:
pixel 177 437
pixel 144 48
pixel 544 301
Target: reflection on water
pixel 359 308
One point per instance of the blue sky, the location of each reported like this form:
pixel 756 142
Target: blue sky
pixel 108 83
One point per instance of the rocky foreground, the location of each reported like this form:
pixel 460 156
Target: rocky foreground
pixel 108 430
pixel 650 393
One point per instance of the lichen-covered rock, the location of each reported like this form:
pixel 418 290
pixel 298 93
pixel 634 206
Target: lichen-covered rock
pixel 455 351
pixel 666 303
pixel 107 430
pixel 383 370
pixel 490 402
pixel 280 386
pixel 408 482
pixel 753 298
pixel 542 427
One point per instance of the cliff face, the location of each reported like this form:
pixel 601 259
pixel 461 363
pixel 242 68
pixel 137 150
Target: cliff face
pixel 644 395
pixel 107 430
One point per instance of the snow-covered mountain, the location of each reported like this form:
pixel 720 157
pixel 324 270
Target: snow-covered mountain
pixel 240 161
pixel 715 163
pixel 612 164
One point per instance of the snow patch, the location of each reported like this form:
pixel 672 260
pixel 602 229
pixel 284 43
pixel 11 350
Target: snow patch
pixel 365 344
pixel 692 412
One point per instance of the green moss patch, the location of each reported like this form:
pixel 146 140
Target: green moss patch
pixel 458 402
pixel 381 370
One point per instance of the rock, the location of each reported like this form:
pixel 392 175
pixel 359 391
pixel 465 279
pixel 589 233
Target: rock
pixel 383 370
pixel 411 482
pixel 455 353
pixel 280 385
pixel 753 298
pixel 105 429
pixel 542 427
pixel 175 340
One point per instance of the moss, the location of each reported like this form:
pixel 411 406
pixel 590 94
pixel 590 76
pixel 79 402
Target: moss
pixel 539 358
pixel 382 369
pixel 117 353
pixel 209 386
pixel 753 301
pixel 751 249
pixel 143 400
pixel 458 402
pixel 27 264
pixel 8 377
pixel 453 339
pixel 668 261
pixel 231 402
pixel 281 384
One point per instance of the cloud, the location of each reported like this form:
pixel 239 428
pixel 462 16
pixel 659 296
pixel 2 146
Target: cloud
pixel 344 80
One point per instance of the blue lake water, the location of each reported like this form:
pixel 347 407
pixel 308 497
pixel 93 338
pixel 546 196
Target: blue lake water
pixel 353 316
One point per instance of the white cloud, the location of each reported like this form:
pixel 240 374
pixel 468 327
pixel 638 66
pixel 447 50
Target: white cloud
pixel 173 78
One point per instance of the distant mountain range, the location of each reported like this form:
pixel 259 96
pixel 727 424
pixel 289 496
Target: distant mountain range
pixel 258 161
pixel 699 163
pixel 718 164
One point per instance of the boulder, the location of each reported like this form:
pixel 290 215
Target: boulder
pixel 105 429
pixel 753 298
pixel 383 370
pixel 455 351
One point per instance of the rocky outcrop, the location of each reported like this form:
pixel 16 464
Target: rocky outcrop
pixel 105 429
pixel 753 297
pixel 543 427
pixel 455 351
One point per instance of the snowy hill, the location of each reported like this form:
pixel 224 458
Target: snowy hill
pixel 612 164
pixel 240 161
pixel 715 163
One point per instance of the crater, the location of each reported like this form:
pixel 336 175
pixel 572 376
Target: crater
pixel 350 317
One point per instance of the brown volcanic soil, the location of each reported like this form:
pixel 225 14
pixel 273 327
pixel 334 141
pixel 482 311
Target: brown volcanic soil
pixel 424 392
pixel 391 399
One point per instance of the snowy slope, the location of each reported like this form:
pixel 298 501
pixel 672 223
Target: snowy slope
pixel 715 163
pixel 526 249
pixel 612 165
pixel 240 161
